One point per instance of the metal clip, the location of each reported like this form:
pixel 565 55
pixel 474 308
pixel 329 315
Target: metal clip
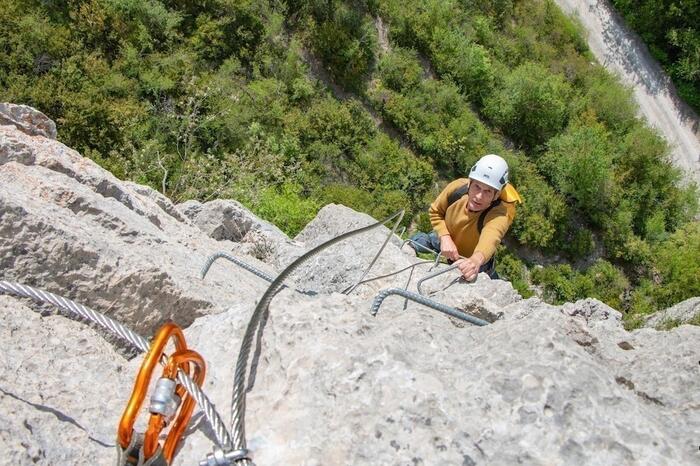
pixel 219 458
pixel 164 401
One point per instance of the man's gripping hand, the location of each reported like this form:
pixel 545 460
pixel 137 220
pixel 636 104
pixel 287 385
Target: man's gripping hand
pixel 448 248
pixel 470 266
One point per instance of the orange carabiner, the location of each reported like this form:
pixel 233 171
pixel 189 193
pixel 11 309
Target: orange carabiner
pixel 126 424
pixel 182 360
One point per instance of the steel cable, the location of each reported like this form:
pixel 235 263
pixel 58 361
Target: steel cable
pixel 364 274
pixel 412 266
pixel 222 435
pixel 426 302
pixel 435 274
pixel 238 404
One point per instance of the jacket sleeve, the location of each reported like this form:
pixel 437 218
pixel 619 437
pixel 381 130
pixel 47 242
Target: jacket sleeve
pixel 439 207
pixel 496 226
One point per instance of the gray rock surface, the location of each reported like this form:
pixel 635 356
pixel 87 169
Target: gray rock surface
pixel 59 380
pixel 343 264
pixel 27 119
pixel 68 226
pixel 541 385
pixel 680 313
pixel 229 220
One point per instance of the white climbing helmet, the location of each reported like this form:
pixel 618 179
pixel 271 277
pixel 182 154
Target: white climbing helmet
pixel 492 170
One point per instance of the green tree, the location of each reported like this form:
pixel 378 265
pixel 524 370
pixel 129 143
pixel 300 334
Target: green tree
pixel 579 162
pixel 531 106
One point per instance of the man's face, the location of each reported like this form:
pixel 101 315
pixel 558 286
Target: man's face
pixel 480 196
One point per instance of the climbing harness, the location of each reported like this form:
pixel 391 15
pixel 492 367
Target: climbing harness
pixel 169 400
pixel 426 302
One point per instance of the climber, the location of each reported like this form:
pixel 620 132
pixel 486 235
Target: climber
pixel 470 217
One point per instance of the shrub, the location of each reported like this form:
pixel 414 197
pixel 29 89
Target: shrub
pixel 285 208
pixel 467 63
pixel 510 268
pixel 531 106
pixel 579 243
pixel 609 283
pixel 612 103
pixel 400 69
pixel 579 162
pixel 349 196
pixel 346 43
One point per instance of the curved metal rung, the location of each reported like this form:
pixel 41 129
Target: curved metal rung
pixel 223 255
pixel 426 302
pixel 419 283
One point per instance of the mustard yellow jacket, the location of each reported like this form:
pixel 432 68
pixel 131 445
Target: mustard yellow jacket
pixel 461 224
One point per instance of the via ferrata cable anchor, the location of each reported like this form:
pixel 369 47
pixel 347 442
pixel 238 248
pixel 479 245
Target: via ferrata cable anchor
pixel 169 400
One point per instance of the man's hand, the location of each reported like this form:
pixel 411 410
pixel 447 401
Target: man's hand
pixel 470 266
pixel 448 248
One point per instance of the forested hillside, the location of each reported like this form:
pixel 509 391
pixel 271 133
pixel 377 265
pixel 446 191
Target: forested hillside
pixel 220 99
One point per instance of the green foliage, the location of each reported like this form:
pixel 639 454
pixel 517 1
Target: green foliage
pixel 286 208
pixel 579 163
pixel 609 283
pixel 562 284
pixel 467 63
pixel 349 196
pixel 531 105
pixel 219 99
pixel 400 69
pixel 610 102
pixel 510 268
pixel 345 41
pixel 438 122
pixel 540 219
pixel 651 183
pixel 579 244
pixel 677 261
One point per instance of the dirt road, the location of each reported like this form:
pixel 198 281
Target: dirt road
pixel 623 53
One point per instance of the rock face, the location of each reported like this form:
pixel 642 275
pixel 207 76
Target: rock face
pixel 541 385
pixel 28 120
pixel 680 313
pixel 68 226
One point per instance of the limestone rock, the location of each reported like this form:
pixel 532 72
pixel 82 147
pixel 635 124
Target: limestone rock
pixel 63 391
pixel 227 220
pixel 343 264
pixel 68 226
pixel 680 313
pixel 542 384
pixel 27 119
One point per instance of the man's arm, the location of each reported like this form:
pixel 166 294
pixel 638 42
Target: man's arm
pixel 496 226
pixel 437 219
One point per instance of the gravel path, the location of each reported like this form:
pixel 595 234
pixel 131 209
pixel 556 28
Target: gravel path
pixel 623 53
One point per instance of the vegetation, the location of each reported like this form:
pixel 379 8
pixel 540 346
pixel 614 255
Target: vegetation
pixel 217 99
